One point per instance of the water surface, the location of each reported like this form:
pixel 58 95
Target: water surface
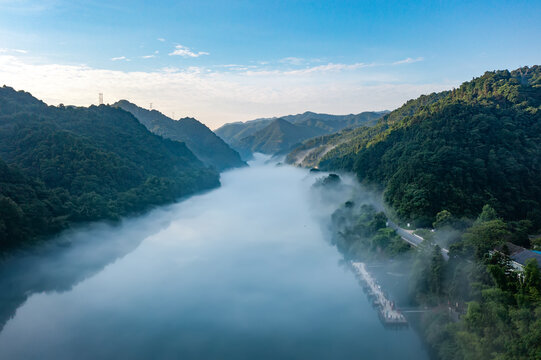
pixel 241 272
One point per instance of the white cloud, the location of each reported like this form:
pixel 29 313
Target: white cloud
pixel 330 67
pixel 408 61
pixel 186 52
pixel 161 39
pixel 19 51
pixel 148 56
pixel 218 96
pixel 119 58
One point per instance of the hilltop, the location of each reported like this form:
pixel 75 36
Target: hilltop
pixel 63 165
pixel 205 144
pixel 455 150
pixel 277 135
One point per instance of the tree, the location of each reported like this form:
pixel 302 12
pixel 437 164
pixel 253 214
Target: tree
pixel 443 218
pixel 437 267
pixel 531 284
pixel 487 214
pixel 485 236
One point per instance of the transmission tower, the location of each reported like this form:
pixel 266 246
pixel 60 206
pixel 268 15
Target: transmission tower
pixel 100 99
pixel 150 106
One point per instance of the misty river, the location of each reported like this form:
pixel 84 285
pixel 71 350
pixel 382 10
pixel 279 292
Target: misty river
pixel 245 271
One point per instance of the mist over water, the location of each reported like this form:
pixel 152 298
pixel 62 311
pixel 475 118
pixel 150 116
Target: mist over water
pixel 242 272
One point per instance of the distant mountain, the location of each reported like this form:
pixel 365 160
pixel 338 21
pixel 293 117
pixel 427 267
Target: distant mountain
pixel 232 133
pixel 278 136
pixel 311 151
pixel 205 144
pixel 240 135
pixel 61 165
pixel 455 150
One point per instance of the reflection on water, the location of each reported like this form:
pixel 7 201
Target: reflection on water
pixel 72 257
pixel 241 272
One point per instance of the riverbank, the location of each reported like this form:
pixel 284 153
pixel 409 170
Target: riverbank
pixel 468 290
pixel 243 271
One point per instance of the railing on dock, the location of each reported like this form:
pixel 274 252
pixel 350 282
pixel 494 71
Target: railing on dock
pixel 387 310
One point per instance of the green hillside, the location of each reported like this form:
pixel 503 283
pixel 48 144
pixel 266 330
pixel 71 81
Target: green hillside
pixel 61 165
pixel 456 150
pixel 243 137
pixel 206 145
pixel 232 133
pixel 280 135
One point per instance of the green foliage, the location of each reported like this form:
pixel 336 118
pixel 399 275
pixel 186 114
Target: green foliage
pixel 481 307
pixel 427 274
pixel 485 236
pixel 458 150
pixel 280 135
pixel 503 315
pixel 60 165
pixel 487 214
pixel 206 145
pixel 362 232
pixel 443 218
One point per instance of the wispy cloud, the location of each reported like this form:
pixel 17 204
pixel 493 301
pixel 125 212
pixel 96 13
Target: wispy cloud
pixel 408 61
pixel 330 67
pixel 184 51
pixel 221 95
pixel 148 56
pixel 161 39
pixel 119 58
pixel 19 51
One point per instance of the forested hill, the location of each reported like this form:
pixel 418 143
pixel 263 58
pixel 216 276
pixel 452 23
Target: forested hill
pixel 206 145
pixel 265 134
pixel 61 165
pixel 280 135
pixel 457 150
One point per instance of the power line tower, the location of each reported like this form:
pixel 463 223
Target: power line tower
pixel 173 116
pixel 100 99
pixel 150 106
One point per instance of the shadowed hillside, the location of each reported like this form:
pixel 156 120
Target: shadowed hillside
pixel 456 150
pixel 265 135
pixel 206 145
pixel 61 165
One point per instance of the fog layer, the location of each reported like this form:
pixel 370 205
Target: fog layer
pixel 242 272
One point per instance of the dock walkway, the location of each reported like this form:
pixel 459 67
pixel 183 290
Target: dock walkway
pixel 387 310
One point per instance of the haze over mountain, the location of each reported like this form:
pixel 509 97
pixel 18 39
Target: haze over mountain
pixel 455 150
pixel 61 165
pixel 276 135
pixel 205 144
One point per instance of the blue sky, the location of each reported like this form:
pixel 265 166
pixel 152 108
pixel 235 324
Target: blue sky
pixel 235 60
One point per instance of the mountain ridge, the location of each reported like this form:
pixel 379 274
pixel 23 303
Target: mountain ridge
pixel 240 135
pixel 455 150
pixel 65 165
pixel 202 141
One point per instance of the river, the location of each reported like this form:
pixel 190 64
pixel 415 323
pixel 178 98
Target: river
pixel 241 272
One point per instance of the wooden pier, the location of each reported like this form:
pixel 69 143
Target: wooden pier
pixel 388 313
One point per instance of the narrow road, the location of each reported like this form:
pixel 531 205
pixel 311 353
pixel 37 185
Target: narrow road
pixel 412 239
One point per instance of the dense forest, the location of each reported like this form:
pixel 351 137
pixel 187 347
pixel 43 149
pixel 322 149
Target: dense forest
pixel 61 165
pixel 205 144
pixel 456 150
pixel 465 164
pixel 476 305
pixel 280 135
